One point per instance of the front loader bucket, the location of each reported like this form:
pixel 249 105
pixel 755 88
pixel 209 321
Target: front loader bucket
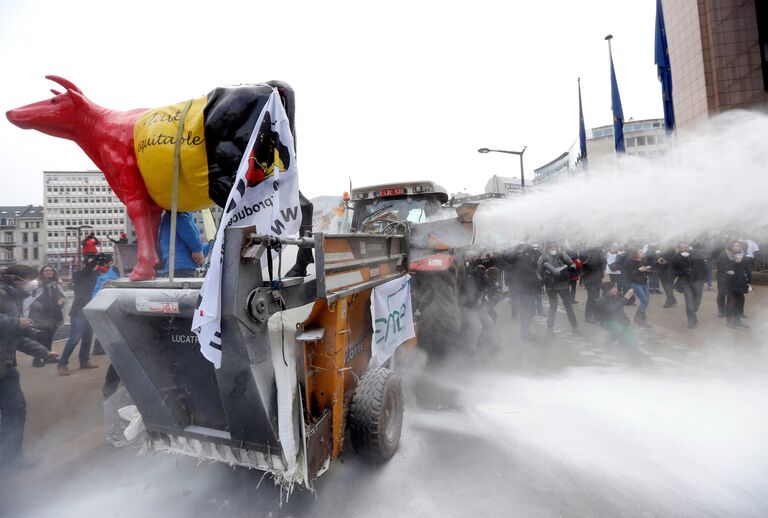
pixel 186 404
pixel 273 399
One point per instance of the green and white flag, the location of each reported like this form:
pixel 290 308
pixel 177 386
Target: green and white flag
pixel 392 313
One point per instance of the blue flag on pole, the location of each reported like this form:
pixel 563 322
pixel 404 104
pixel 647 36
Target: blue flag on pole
pixel 618 113
pixel 582 132
pixel 664 69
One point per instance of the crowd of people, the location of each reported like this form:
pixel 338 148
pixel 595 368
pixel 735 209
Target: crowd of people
pixel 32 308
pixel 613 277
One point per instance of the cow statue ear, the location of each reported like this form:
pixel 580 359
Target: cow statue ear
pixel 77 97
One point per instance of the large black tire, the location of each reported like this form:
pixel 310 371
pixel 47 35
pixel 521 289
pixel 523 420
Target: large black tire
pixel 440 322
pixel 376 416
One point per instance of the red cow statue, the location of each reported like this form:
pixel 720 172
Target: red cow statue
pixel 132 149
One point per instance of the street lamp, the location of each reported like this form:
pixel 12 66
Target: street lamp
pixel 518 153
pixel 79 247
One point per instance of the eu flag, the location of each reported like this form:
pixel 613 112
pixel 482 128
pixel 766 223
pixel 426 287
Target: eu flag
pixel 664 68
pixel 582 131
pixel 618 114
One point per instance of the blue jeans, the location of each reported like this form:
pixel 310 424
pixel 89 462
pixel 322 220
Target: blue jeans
pixel 641 291
pixel 79 331
pixel 708 266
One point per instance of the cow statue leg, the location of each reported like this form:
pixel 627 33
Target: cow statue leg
pixel 155 215
pixel 141 212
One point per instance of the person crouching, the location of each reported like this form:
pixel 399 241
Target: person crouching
pixel 609 312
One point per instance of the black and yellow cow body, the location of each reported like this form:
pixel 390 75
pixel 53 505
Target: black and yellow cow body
pixel 216 131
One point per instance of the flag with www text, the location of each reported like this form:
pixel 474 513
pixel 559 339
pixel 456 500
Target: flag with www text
pixel 265 195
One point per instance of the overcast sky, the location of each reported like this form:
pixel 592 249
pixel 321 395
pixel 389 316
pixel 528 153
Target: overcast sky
pixel 387 91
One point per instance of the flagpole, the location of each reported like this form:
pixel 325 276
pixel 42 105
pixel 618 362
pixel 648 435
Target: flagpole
pixel 582 131
pixel 618 112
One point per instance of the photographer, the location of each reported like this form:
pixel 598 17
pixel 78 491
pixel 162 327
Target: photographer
pixel 733 275
pixel 524 285
pixel 689 272
pixel 553 268
pixel 44 308
pixel 79 329
pixel 16 282
pixel 636 271
pixel 473 300
pixel 593 268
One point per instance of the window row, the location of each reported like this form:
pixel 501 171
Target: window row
pixel 89 200
pixel 645 140
pixel 72 245
pixel 98 210
pixel 91 189
pixel 96 177
pixel 114 231
pixel 69 222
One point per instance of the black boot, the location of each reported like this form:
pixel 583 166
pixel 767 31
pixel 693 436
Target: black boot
pixel 303 259
pixel 738 323
pixel 641 321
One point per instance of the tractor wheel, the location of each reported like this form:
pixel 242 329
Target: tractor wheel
pixel 376 416
pixel 441 318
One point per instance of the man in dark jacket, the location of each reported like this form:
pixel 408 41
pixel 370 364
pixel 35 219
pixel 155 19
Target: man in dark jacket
pixel 663 268
pixel 473 301
pixel 520 272
pixel 593 267
pixel 79 328
pixel 636 271
pixel 552 268
pixel 689 272
pixel 15 285
pixel 732 273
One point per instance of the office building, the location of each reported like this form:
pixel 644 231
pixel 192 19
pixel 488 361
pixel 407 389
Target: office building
pixel 718 50
pixel 643 138
pixel 509 187
pixel 76 204
pixel 23 236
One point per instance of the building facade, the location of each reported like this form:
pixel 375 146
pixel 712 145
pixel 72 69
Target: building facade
pixel 76 204
pixel 504 185
pixel 718 50
pixel 22 231
pixel 643 138
pixel 555 171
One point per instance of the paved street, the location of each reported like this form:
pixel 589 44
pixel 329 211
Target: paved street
pixel 566 427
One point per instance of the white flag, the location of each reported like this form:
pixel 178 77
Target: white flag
pixel 265 194
pixel 392 318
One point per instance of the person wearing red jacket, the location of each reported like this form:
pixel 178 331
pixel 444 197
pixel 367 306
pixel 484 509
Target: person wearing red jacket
pixel 90 245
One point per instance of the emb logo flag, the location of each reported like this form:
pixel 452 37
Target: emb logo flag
pixel 265 194
pixel 392 318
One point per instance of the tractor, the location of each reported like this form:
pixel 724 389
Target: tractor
pixel 438 235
